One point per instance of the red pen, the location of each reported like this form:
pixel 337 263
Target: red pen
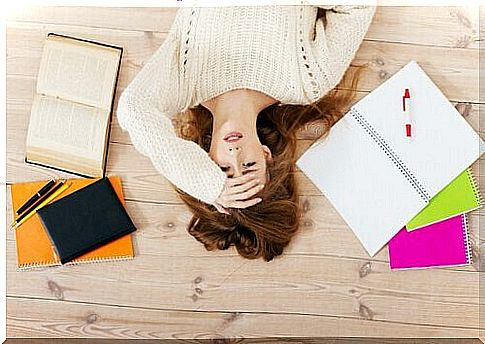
pixel 406 108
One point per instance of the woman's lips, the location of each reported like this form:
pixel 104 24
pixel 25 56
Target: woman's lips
pixel 232 136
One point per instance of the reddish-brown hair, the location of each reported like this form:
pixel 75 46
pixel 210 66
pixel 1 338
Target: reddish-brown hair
pixel 265 229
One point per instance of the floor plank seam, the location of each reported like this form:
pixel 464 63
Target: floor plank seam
pixel 244 312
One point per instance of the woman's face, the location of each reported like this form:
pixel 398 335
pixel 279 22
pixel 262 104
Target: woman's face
pixel 238 153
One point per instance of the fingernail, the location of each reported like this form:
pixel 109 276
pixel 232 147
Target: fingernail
pixel 261 186
pixel 260 199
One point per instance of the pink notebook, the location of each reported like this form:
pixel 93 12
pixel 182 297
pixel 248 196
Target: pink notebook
pixel 444 243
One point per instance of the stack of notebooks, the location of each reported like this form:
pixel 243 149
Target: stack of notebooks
pixel 86 223
pixel 412 194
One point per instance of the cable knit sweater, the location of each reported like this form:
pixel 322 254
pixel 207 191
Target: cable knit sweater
pixel 282 51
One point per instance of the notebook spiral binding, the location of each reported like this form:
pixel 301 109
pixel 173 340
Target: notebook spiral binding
pixel 24 267
pixel 411 178
pixel 476 190
pixel 469 255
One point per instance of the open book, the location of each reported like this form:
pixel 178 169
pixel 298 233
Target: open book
pixel 71 111
pixel 377 178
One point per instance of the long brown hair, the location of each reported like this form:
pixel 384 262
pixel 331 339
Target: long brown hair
pixel 265 229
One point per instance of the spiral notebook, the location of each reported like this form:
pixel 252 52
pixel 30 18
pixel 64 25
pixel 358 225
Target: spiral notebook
pixel 445 243
pixel 85 220
pixel 34 248
pixel 462 195
pixel 373 175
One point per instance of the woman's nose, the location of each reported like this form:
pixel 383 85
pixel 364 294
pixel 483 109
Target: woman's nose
pixel 234 150
pixel 236 153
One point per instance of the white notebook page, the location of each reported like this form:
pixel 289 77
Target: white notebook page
pixel 443 143
pixel 365 187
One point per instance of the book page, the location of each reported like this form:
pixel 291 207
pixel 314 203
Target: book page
pixel 69 128
pixel 78 71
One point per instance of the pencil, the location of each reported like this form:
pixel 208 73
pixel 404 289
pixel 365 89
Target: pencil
pixel 40 200
pixel 43 204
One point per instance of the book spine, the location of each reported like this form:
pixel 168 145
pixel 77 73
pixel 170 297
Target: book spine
pixel 45 224
pixel 110 119
pixel 476 190
pixel 58 168
pixel 466 238
pixel 405 171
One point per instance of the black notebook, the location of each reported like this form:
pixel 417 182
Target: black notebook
pixel 85 220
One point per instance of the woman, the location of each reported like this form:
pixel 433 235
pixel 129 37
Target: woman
pixel 247 78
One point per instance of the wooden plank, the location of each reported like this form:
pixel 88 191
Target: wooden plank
pixel 324 286
pixel 456 75
pixel 154 19
pixel 69 319
pixel 448 26
pixel 171 263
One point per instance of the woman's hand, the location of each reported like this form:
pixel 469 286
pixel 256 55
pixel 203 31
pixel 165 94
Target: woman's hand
pixel 237 191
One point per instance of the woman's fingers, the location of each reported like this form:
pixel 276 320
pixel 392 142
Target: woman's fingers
pixel 221 209
pixel 238 191
pixel 232 182
pixel 242 196
pixel 244 187
pixel 244 204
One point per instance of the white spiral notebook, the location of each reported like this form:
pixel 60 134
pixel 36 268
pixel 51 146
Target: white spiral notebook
pixel 369 170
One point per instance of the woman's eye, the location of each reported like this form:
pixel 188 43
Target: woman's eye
pixel 224 169
pixel 249 164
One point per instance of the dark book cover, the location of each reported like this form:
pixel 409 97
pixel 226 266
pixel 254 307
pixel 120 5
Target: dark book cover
pixel 85 220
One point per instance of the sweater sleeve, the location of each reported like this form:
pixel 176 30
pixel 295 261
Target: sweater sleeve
pixel 340 37
pixel 144 110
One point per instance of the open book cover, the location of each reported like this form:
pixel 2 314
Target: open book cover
pixel 72 107
pixel 34 248
pixel 375 177
pixel 445 243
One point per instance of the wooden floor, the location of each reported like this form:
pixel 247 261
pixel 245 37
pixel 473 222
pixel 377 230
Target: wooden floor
pixel 324 285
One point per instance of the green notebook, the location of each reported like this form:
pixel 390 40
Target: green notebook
pixel 460 196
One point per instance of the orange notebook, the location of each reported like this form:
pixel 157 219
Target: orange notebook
pixel 34 248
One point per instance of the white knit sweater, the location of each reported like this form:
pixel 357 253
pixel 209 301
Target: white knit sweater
pixel 282 51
